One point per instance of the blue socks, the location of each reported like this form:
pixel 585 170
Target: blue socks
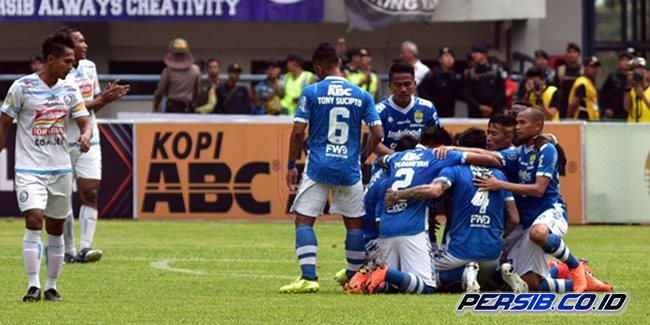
pixel 306 249
pixel 451 276
pixel 355 251
pixel 407 282
pixel 555 246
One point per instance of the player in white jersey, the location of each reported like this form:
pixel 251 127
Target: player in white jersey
pixel 87 167
pixel 41 103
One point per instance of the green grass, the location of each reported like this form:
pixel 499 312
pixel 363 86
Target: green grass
pixel 238 267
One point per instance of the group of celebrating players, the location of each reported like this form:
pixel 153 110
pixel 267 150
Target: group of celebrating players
pixel 57 137
pixel 505 214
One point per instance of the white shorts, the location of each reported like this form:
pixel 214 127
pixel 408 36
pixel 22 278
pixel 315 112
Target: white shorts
pixel 87 165
pixel 311 198
pixel 410 254
pixel 524 254
pixel 445 261
pixel 50 193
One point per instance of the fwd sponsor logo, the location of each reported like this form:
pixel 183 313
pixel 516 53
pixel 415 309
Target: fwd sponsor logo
pixel 185 167
pixel 336 150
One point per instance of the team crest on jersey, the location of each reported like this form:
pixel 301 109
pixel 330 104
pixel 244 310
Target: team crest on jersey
pixel 532 158
pixel 68 99
pixel 390 119
pixel 23 197
pixel 418 116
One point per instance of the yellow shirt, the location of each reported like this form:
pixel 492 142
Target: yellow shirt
pixel 547 96
pixel 639 110
pixel 292 89
pixel 591 98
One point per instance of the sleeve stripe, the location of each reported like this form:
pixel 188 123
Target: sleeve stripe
pixel 300 120
pixel 443 179
pixel 549 175
pixel 464 159
pixel 510 198
pixel 374 123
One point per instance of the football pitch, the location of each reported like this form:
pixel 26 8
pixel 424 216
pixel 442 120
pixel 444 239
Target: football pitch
pixel 223 272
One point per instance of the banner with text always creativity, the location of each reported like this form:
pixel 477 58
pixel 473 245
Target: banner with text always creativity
pixel 151 10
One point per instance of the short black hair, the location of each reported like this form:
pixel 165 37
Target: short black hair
pixel 293 57
pixel 325 54
pixel 473 138
pixel 56 43
pixel 505 120
pixel 400 67
pixel 434 136
pixel 406 142
pixel 68 30
pixel 210 60
pixel 536 72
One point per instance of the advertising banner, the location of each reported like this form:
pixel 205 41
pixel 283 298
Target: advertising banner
pixel 617 173
pixel 148 10
pixel 237 171
pixel 367 15
pixel 115 198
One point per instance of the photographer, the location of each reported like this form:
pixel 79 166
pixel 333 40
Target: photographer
pixel 583 98
pixel 637 100
pixel 541 96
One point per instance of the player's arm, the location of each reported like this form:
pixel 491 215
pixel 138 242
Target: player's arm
pixel 421 192
pixel 491 183
pixel 5 125
pixel 295 145
pixel 86 133
pixel 487 160
pixel 111 93
pixel 512 217
pixel 441 152
pixel 376 135
pixel 382 150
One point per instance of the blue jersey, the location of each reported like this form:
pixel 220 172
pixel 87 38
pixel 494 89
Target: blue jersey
pixel 398 122
pixel 510 161
pixel 374 203
pixel 533 164
pixel 478 220
pixel 334 109
pixel 408 169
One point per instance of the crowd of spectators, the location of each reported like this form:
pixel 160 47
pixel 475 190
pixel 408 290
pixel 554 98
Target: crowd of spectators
pixel 562 87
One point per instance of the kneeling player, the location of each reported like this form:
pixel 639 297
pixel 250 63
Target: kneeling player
pixel 475 236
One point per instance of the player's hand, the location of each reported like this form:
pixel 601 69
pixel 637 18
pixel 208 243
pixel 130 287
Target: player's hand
pixel 84 143
pixel 292 179
pixel 441 152
pixel 114 91
pixel 487 183
pixel 391 197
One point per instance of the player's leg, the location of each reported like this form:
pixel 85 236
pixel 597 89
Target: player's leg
pixel 68 227
pixel 347 201
pixel 547 232
pixel 31 190
pixel 58 208
pixel 309 203
pixel 89 172
pixel 449 270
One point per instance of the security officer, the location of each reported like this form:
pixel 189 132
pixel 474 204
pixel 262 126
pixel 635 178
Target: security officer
pixel 295 80
pixel 483 85
pixel 441 84
pixel 637 100
pixel 359 72
pixel 613 90
pixel 540 95
pixel 583 97
pixel 566 74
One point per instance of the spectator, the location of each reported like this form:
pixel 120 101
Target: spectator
pixel 613 91
pixel 583 97
pixel 35 63
pixel 294 81
pixel 179 81
pixel 358 71
pixel 206 99
pixel 441 84
pixel 566 75
pixel 231 97
pixel 483 85
pixel 637 100
pixel 409 54
pixel 540 61
pixel 341 49
pixel 541 95
pixel 269 91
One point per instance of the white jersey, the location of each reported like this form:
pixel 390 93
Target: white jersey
pixel 42 113
pixel 85 77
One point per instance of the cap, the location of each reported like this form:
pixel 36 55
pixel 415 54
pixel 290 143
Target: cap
pixel 352 52
pixel 572 46
pixel 445 50
pixel 179 45
pixel 541 53
pixel 272 64
pixel 627 53
pixel 481 48
pixel 364 52
pixel 179 56
pixel 234 68
pixel 591 61
pixel 638 62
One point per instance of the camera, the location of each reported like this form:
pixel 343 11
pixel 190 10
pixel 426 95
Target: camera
pixel 637 76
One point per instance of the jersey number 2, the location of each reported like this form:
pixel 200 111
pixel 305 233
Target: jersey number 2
pixel 408 174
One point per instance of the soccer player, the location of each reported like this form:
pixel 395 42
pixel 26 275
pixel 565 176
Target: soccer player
pixel 87 167
pixel 404 241
pixel 334 110
pixel 40 103
pixel 475 236
pixel 403 113
pixel 542 210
